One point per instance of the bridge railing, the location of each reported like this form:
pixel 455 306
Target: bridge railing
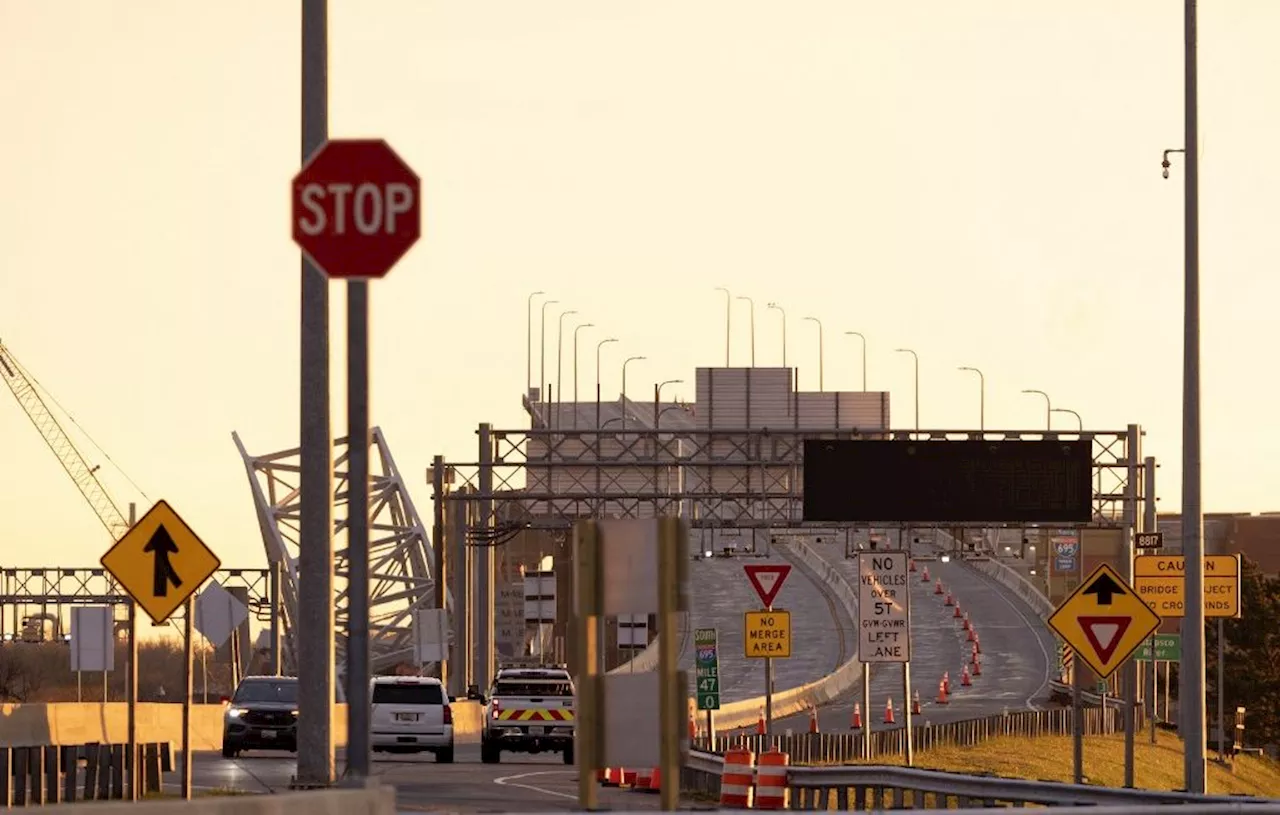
pixel 839 748
pixel 885 787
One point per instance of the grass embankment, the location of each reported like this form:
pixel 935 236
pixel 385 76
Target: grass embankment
pixel 1156 766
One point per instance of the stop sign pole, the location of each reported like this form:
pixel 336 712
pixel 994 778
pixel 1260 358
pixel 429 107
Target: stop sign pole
pixel 356 211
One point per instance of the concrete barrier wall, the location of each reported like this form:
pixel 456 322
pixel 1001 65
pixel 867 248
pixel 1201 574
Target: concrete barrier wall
pixel 82 723
pixel 380 800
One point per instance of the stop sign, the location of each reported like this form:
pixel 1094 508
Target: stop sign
pixel 356 208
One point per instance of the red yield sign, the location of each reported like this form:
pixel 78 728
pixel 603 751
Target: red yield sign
pixel 356 208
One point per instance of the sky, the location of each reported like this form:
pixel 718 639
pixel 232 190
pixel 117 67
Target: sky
pixel 978 181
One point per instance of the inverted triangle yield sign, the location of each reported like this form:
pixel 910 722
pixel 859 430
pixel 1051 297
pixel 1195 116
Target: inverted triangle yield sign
pixel 767 580
pixel 1104 634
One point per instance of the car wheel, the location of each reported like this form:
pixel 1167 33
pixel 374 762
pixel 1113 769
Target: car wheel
pixel 489 755
pixel 445 756
pixel 229 750
pixel 568 755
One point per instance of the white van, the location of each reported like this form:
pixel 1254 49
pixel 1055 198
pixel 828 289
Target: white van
pixel 411 714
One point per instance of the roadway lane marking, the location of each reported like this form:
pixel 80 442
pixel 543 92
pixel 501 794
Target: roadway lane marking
pixel 511 781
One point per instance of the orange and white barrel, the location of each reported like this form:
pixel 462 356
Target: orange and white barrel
pixel 771 781
pixel 644 780
pixel 737 780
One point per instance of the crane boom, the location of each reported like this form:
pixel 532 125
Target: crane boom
pixel 59 442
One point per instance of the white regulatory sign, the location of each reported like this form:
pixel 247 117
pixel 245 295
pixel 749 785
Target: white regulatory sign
pixel 884 607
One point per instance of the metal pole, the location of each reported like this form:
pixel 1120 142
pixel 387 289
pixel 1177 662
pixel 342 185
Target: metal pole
pixel 866 710
pixel 910 754
pixel 131 691
pixel 273 588
pixel 768 693
pixel 1221 693
pixel 359 753
pixel 528 344
pixel 1193 656
pixel 315 634
pixel 188 639
pixel 1150 523
pixel 1077 731
pixel 485 561
pixel 437 549
pixel 1129 677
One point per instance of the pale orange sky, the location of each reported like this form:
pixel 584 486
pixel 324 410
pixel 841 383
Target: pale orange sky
pixel 978 181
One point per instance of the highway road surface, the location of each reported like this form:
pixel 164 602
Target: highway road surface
pixel 1017 653
pixel 721 593
pixel 519 784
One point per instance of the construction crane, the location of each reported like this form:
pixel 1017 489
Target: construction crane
pixel 85 476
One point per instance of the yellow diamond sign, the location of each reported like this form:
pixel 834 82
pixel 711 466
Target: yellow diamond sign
pixel 160 562
pixel 1104 621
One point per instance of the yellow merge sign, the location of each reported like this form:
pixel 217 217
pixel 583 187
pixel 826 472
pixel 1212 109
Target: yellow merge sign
pixel 1161 582
pixel 768 634
pixel 160 562
pixel 1104 621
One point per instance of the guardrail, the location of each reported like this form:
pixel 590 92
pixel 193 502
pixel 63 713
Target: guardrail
pixel 863 787
pixel 839 748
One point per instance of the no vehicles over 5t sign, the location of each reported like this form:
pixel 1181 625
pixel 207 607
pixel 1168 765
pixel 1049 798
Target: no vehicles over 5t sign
pixel 884 607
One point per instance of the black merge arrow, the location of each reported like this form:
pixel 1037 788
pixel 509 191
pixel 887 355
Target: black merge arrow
pixel 161 545
pixel 1105 588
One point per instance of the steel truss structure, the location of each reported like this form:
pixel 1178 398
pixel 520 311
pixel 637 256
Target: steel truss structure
pixel 717 479
pixel 49 592
pixel 401 564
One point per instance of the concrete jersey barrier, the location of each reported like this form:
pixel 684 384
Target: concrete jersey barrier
pixel 377 800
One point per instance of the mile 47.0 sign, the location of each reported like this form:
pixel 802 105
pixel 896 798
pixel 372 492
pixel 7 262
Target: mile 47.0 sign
pixel 707 668
pixel 884 607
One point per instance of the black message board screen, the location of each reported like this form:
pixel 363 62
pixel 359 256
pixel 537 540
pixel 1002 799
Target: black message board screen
pixel 1016 481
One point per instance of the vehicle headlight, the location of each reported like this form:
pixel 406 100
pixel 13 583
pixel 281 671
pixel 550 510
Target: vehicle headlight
pixel 235 712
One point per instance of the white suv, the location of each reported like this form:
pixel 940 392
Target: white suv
pixel 411 714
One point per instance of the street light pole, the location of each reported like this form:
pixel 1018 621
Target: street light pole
pixel 1079 421
pixel 600 345
pixel 915 357
pixel 625 363
pixel 528 346
pixel 752 304
pixel 821 362
pixel 982 397
pixel 542 366
pixel 575 370
pixel 783 312
pixel 728 317
pixel 560 361
pixel 864 355
pixel 657 399
pixel 1048 407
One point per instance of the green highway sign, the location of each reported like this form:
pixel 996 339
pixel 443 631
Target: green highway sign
pixel 1168 649
pixel 707 669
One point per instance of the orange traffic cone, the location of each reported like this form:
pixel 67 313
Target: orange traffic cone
pixel 946 681
pixel 977 643
pixel 693 727
pixel 966 625
pixel 924 578
pixel 950 601
pixel 760 723
pixel 977 666
pixel 888 711
pixel 971 635
pixel 856 723
pixel 813 720
pixel 915 704
pixel 959 614
pixel 942 691
pixel 965 681
pixel 937 587
pixel 913 565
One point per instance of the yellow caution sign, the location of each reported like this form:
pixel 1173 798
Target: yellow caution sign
pixel 768 634
pixel 1161 583
pixel 1104 621
pixel 160 562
